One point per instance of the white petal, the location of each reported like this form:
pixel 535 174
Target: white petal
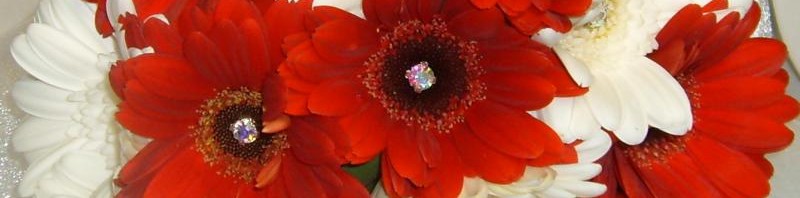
pixel 581 188
pixel 115 8
pixel 37 133
pixel 59 186
pixel 577 171
pixel 45 13
pixel 39 168
pixel 667 104
pixel 30 61
pixel 474 188
pixel 77 19
pixel 583 121
pixel 604 102
pixel 576 68
pixel 633 125
pixel 548 37
pixel 556 193
pixel 593 147
pixel 43 101
pixel 558 115
pixel 378 192
pixel 63 51
pixel 352 6
pixel 85 168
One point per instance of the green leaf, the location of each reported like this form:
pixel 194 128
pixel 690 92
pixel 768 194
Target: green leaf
pixel 368 173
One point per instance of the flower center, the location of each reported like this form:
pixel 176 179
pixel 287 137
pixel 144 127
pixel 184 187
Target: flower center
pixel 420 77
pixel 656 148
pixel 244 130
pixel 228 134
pixel 409 94
pixel 600 13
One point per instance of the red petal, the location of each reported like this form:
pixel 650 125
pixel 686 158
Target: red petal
pixel 184 173
pixel 367 131
pixel 207 59
pixel 384 12
pixel 557 22
pixel 480 26
pixel 484 4
pixel 297 103
pixel 310 143
pixel 170 77
pixel 273 96
pixel 754 57
pixel 449 178
pixel 490 164
pixel 118 79
pixel 310 65
pixel 528 22
pixel 519 90
pixel 337 97
pixel 101 21
pixel 663 182
pixel 345 41
pixel 283 19
pixel 732 172
pixel 517 61
pixel 150 105
pixel 393 183
pixel 671 56
pixel 742 94
pixel 150 159
pixel 299 180
pixel 687 170
pixel 406 158
pixel 715 5
pixel 629 180
pixel 162 37
pixel 785 110
pixel 744 130
pixel 571 7
pixel 679 23
pixel 511 7
pixel 510 131
pixel 232 44
pixel 149 127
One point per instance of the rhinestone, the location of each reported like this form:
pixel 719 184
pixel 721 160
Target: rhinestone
pixel 244 130
pixel 420 77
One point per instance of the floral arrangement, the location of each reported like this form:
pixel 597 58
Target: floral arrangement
pixel 400 98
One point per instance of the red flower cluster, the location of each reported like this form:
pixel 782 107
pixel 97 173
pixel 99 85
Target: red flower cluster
pixel 530 16
pixel 470 120
pixel 213 103
pixel 223 123
pixel 737 91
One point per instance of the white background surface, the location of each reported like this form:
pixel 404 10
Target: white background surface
pixel 16 14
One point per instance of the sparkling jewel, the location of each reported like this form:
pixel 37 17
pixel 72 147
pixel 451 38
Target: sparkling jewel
pixel 244 130
pixel 420 77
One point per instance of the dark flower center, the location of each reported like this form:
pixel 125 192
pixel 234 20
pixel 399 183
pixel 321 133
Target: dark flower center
pixel 657 147
pixel 229 133
pixel 424 75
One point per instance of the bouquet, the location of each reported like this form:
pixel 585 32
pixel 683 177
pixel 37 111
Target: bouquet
pixel 400 98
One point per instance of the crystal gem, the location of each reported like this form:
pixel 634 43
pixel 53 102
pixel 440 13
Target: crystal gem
pixel 244 130
pixel 420 77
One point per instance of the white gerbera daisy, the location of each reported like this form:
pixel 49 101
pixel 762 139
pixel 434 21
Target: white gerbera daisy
pixel 628 92
pixel 71 139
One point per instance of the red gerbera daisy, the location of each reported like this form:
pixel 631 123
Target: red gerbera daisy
pixel 530 16
pixel 213 104
pixel 737 91
pixel 442 86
